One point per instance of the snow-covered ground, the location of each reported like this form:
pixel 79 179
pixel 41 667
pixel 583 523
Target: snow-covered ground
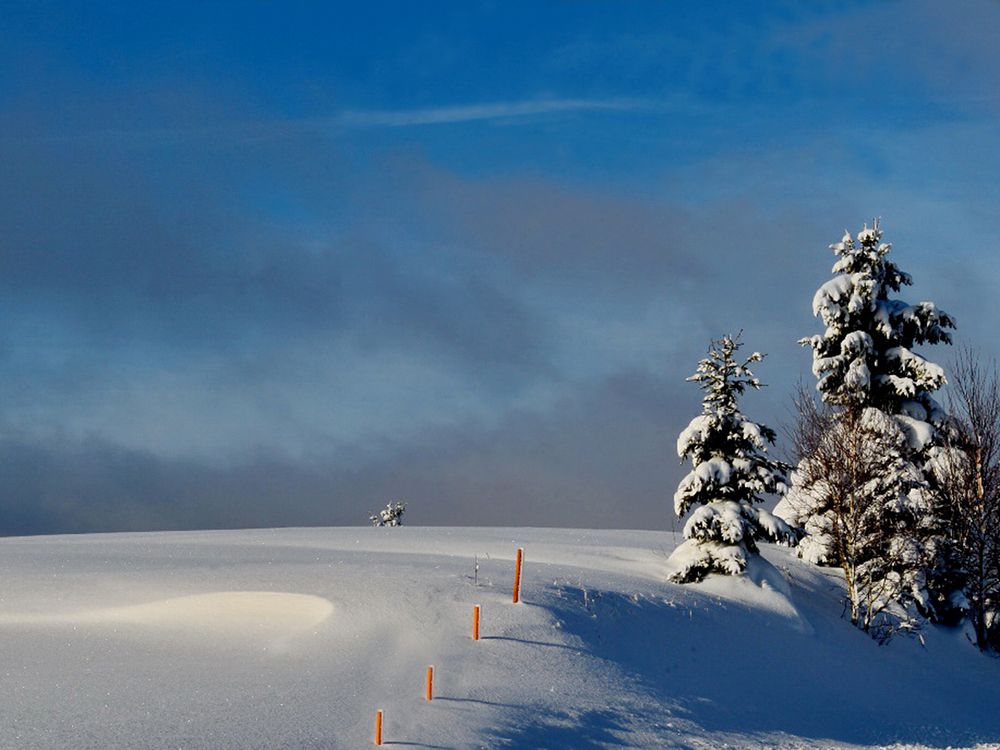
pixel 292 638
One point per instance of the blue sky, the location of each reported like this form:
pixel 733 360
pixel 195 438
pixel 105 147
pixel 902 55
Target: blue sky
pixel 277 264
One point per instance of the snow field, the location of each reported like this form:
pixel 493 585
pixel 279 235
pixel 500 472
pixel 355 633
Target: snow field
pixel 293 638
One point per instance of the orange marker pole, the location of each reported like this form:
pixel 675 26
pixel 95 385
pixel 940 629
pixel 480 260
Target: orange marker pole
pixel 517 575
pixel 430 682
pixel 475 623
pixel 378 727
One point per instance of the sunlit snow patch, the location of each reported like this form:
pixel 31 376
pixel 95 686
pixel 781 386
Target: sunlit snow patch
pixel 265 613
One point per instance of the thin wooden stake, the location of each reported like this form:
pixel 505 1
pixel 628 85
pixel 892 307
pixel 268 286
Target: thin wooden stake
pixel 475 623
pixel 430 682
pixel 378 727
pixel 517 575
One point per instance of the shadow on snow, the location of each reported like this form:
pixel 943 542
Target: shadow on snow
pixel 738 669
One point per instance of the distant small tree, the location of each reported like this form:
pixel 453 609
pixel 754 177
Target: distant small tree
pixel 391 515
pixel 731 473
pixel 967 469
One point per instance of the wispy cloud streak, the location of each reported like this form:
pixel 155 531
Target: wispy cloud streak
pixel 360 119
pixel 487 111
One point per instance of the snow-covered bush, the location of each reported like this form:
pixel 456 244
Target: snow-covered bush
pixel 391 515
pixel 731 472
pixel 864 360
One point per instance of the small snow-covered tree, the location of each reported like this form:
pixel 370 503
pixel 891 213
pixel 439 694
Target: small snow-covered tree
pixel 391 515
pixel 865 359
pixel 731 473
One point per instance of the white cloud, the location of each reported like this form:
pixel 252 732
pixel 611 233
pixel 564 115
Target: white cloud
pixel 486 111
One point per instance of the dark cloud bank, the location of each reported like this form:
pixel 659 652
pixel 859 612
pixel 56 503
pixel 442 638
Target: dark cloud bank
pixel 488 266
pixel 599 453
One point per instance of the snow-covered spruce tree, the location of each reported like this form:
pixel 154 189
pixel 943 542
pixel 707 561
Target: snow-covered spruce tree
pixel 731 473
pixel 865 360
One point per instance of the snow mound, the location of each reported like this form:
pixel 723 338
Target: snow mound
pixel 762 588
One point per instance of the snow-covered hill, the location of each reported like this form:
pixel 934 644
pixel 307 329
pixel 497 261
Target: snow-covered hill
pixel 292 638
